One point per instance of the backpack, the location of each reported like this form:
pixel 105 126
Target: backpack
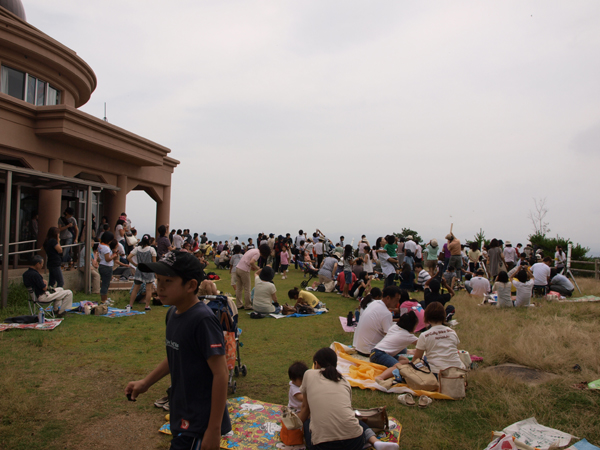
pixel 321 288
pixel 305 310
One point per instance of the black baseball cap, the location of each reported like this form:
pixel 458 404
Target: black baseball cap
pixel 176 264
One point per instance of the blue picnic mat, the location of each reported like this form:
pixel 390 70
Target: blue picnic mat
pixel 112 312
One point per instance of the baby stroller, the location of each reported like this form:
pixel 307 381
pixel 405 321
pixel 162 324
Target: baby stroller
pixel 224 312
pixel 312 274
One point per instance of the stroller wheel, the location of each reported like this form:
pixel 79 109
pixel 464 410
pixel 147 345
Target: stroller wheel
pixel 236 371
pixel 244 370
pixel 304 284
pixel 233 387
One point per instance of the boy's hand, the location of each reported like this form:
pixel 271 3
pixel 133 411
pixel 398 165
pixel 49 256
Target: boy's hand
pixel 211 439
pixel 134 388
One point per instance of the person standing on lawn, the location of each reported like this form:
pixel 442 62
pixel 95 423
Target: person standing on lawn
pixel 195 351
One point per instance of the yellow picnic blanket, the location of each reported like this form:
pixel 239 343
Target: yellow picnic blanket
pixel 361 374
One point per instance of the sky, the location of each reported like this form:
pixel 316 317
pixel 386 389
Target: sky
pixel 353 117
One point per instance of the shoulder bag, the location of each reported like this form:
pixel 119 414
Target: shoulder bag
pixel 375 418
pixel 453 381
pixel 417 375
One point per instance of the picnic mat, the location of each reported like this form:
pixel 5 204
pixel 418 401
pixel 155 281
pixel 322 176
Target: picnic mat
pixel 49 324
pixel 361 374
pixel 317 312
pixel 112 312
pixel 346 328
pixel 586 298
pixel 256 425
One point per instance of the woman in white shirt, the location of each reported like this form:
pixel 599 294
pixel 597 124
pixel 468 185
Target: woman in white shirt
pixel 392 348
pixel 265 299
pixel 503 288
pixel 106 257
pixel 523 280
pixel 327 412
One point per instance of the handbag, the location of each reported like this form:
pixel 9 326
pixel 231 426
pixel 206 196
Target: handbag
pixel 100 310
pixel 287 310
pixel 453 381
pixel 291 437
pixel 230 348
pixel 290 419
pixel 375 418
pixel 417 374
pixel 131 240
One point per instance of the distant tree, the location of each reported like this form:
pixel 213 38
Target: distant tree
pixel 408 232
pixel 538 217
pixel 548 245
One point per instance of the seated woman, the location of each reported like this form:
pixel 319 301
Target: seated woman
pixel 502 287
pixel 265 300
pixel 407 278
pixel 392 348
pixel 327 412
pixel 522 278
pixel 362 286
pixel 439 344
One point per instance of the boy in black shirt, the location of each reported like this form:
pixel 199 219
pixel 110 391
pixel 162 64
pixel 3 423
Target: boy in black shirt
pixel 195 356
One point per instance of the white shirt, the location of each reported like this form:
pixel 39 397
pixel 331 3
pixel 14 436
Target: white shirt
pixel 395 340
pixel 510 254
pixel 372 327
pixel 137 250
pixel 386 266
pixel 541 272
pixel 410 245
pixel 419 252
pixel 440 344
pixel 480 286
pixel 293 402
pixel 177 241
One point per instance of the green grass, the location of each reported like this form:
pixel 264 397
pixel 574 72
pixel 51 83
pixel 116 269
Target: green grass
pixel 56 384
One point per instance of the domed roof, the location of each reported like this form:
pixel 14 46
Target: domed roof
pixel 15 7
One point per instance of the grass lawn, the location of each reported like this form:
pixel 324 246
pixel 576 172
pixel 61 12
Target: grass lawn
pixel 63 389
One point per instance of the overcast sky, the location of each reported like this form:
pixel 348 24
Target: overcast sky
pixel 354 117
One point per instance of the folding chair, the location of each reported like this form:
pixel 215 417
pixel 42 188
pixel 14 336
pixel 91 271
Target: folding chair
pixel 35 304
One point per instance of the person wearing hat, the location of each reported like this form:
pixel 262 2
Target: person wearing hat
pixel 195 351
pixel 510 255
pixel 432 256
pixel 143 253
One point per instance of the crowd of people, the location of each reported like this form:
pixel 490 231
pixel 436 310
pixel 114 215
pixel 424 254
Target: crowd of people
pixel 174 263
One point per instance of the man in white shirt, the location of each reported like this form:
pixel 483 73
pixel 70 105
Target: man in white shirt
pixel 375 321
pixel 297 241
pixel 479 285
pixel 510 255
pixel 178 240
pixel 410 251
pixel 561 284
pixel 541 273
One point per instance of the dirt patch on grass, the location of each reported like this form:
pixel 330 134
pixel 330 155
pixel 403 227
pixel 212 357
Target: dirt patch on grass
pixel 133 430
pixel 524 374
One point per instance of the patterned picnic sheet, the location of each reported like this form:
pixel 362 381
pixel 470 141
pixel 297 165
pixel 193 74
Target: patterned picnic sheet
pixel 256 425
pixel 586 298
pixel 49 324
pixel 361 374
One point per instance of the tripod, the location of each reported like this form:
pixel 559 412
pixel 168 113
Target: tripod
pixel 567 267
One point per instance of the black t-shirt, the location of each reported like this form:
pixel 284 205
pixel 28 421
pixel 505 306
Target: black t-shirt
pixel 430 297
pixel 33 279
pixel 54 258
pixel 192 338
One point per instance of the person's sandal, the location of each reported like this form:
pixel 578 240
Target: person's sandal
pixel 147 308
pixel 407 400
pixel 161 402
pixel 424 401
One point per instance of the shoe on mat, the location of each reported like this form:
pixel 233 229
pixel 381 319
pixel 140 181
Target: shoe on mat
pixel 424 401
pixel 161 402
pixel 407 400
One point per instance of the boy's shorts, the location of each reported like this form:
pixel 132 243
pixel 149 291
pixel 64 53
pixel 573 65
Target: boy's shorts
pixel 186 442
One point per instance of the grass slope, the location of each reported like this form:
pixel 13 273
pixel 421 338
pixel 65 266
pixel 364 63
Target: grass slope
pixel 64 388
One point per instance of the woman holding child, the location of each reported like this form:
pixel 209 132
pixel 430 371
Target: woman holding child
pixel 327 412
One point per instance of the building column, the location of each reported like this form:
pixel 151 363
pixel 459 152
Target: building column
pixel 163 209
pixel 49 202
pixel 117 203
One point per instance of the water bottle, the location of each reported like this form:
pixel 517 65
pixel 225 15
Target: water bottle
pixel 128 308
pixel 41 316
pixel 356 315
pixel 350 319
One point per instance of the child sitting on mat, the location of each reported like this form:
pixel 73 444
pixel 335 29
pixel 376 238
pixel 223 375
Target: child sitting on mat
pixel 296 373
